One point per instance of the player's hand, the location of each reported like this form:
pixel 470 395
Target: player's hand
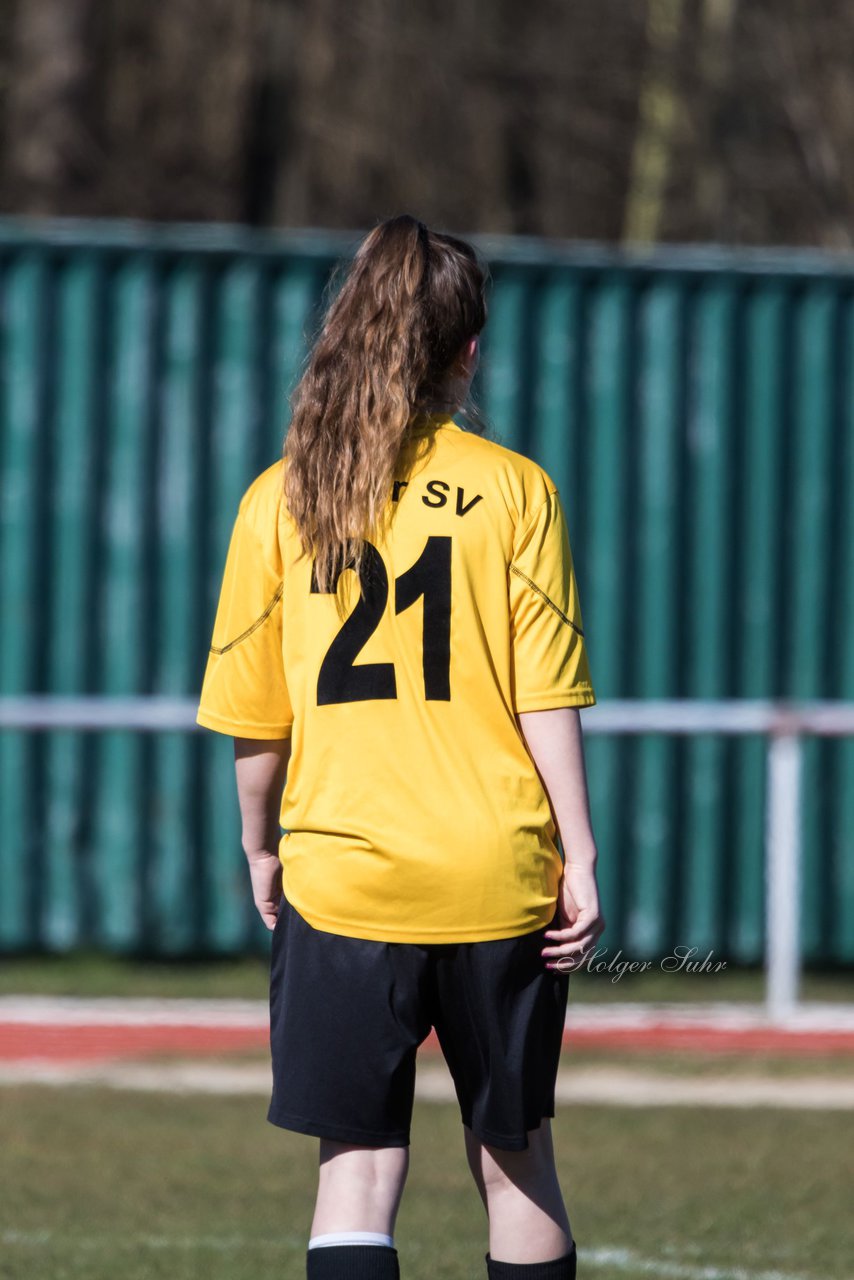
pixel 580 919
pixel 265 872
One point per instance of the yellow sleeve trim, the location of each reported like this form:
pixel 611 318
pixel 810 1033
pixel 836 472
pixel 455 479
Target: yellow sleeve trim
pixel 240 729
pixel 560 613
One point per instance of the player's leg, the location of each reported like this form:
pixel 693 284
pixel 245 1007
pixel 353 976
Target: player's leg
pixel 346 1018
pixel 500 1017
pixel 528 1221
pixel 358 1196
pixel 359 1188
pixel 345 1023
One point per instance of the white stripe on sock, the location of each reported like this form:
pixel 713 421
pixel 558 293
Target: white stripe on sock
pixel 350 1237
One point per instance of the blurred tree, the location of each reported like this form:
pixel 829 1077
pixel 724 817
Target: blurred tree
pixel 177 84
pixel 51 145
pixel 659 120
pixel 658 106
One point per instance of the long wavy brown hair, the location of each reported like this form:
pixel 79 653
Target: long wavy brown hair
pixel 407 305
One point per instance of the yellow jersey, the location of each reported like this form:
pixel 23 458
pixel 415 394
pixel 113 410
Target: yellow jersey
pixel 412 810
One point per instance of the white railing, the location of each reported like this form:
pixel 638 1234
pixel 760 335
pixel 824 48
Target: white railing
pixel 785 724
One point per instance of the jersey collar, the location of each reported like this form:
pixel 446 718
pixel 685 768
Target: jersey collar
pixel 426 422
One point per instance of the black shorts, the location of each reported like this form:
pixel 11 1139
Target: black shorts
pixel 348 1014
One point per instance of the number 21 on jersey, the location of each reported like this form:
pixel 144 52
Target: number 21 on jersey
pixel 340 680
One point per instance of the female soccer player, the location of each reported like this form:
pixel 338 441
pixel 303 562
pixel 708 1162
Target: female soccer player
pixel 398 655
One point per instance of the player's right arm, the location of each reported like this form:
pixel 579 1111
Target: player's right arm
pixel 554 740
pixel 551 682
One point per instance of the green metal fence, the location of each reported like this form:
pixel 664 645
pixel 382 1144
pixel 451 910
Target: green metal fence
pixel 697 413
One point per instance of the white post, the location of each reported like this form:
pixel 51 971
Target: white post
pixel 782 875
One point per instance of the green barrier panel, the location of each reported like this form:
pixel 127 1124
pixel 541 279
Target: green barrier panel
pixel 653 590
pixel 22 580
pixel 695 409
pixel 804 615
pixel 68 607
pixel 502 350
pixel 554 435
pixel 295 292
pixel 604 606
pixel 709 578
pixel 121 796
pixel 173 849
pixel 841 851
pixel 758 479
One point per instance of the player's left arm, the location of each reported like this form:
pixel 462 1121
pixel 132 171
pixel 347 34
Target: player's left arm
pixel 261 767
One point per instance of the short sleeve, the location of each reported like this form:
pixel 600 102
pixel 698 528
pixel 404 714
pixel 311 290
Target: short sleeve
pixel 244 692
pixel 549 657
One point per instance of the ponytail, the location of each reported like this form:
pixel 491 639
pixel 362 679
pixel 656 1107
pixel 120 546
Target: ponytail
pixel 408 303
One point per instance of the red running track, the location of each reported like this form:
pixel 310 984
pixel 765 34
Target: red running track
pixel 37 1042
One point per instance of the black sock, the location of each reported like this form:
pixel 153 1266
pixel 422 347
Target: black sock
pixel 556 1269
pixel 352 1262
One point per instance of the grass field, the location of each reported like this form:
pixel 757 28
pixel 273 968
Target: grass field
pixel 100 1185
pixel 695 1064
pixel 246 978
